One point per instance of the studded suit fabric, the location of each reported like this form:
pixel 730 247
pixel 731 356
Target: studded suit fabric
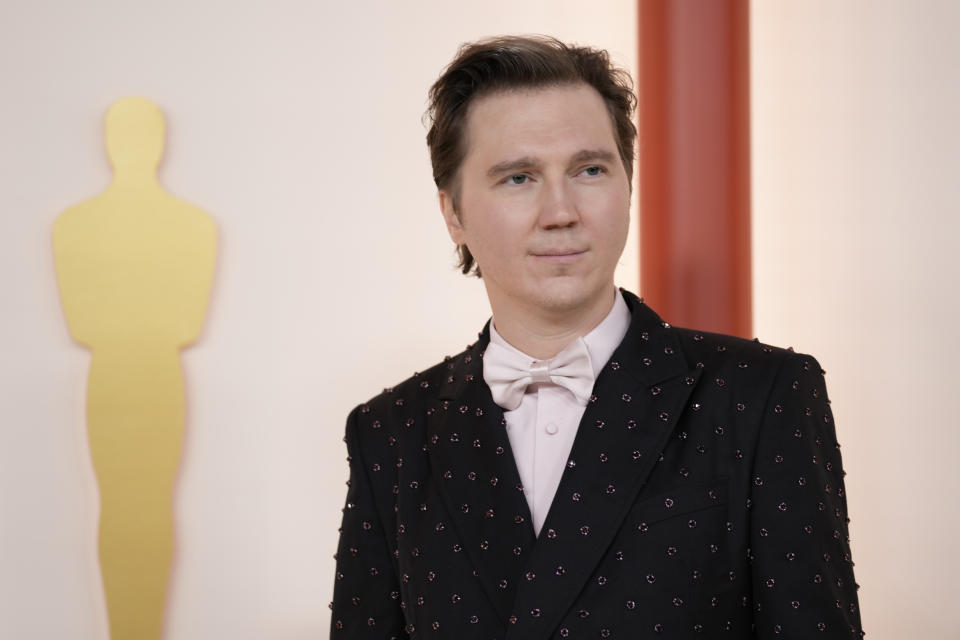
pixel 703 497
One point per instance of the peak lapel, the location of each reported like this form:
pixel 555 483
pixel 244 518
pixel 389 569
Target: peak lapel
pixel 474 468
pixel 638 398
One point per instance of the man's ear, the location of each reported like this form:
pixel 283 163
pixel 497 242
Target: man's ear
pixel 454 225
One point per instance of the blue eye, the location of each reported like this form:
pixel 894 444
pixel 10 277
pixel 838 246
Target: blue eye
pixel 593 171
pixel 518 179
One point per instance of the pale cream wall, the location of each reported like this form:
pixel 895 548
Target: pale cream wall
pixel 296 125
pixel 856 142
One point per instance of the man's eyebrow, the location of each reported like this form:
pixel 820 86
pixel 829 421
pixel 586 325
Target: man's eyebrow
pixel 509 166
pixel 588 155
pixel 584 155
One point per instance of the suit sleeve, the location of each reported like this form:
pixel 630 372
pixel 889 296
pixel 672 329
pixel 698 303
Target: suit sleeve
pixel 802 572
pixel 366 594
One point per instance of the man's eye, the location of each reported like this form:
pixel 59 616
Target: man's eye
pixel 517 179
pixel 593 171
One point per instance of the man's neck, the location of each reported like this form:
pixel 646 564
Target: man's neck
pixel 543 333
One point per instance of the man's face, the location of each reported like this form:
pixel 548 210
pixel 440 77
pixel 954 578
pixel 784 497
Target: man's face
pixel 544 198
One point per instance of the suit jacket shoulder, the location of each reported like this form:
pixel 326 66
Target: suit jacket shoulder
pixel 389 428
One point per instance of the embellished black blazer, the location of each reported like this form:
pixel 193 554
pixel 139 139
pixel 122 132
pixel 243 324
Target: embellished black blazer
pixel 703 497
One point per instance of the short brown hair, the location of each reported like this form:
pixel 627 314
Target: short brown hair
pixel 518 62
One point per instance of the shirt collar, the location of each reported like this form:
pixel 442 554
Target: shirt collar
pixel 601 342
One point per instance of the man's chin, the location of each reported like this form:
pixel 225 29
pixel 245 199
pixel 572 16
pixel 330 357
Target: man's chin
pixel 562 295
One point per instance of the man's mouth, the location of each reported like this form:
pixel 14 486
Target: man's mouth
pixel 560 255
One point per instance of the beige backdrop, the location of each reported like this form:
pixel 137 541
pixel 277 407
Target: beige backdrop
pixel 856 121
pixel 297 126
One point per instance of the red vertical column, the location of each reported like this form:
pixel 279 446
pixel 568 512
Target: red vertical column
pixel 694 140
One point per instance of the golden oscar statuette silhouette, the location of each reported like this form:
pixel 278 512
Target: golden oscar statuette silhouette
pixel 135 267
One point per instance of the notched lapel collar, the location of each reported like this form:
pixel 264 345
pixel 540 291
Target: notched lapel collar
pixel 474 468
pixel 638 398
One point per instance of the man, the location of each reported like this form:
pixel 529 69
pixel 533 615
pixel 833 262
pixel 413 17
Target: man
pixel 584 470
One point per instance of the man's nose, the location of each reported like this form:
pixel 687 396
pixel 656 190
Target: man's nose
pixel 557 205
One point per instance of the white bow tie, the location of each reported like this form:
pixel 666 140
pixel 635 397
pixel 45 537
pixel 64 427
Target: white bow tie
pixel 509 373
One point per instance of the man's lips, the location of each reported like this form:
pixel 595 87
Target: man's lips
pixel 559 255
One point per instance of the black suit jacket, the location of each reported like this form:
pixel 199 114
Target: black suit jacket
pixel 703 497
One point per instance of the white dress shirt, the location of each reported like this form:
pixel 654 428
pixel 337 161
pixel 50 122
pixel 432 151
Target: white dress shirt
pixel 542 429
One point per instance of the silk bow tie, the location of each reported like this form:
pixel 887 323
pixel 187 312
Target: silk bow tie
pixel 508 373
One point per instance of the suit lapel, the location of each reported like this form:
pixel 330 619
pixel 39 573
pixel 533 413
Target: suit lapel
pixel 474 468
pixel 638 398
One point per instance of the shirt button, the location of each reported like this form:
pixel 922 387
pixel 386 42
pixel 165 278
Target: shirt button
pixel 551 428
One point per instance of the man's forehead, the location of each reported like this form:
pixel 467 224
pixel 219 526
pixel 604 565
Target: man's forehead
pixel 506 102
pixel 522 123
